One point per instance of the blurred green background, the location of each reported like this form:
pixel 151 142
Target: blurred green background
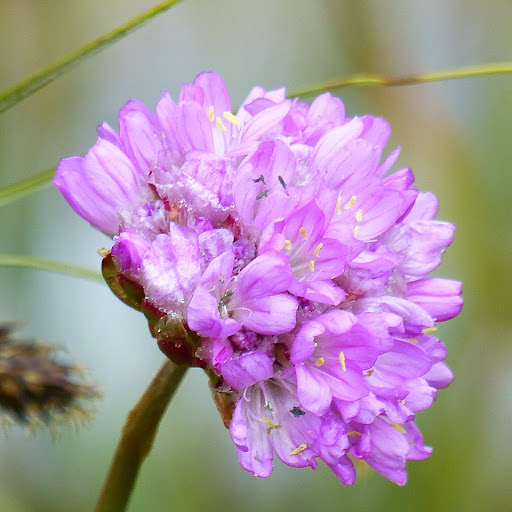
pixel 456 136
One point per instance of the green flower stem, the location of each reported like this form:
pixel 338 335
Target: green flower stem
pixel 26 187
pixel 137 438
pixel 19 260
pixel 378 80
pixel 32 84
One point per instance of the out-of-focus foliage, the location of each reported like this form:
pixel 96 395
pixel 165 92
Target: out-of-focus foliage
pixel 455 136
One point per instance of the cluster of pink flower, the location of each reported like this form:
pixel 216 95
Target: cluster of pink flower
pixel 274 236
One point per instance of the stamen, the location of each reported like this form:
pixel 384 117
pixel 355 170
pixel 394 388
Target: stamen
pixel 299 449
pixel 312 265
pixel 283 184
pixel 304 233
pixel 220 124
pixel 356 231
pixel 262 194
pixel 359 215
pixel 398 427
pixel 271 426
pixel 211 114
pixel 316 252
pixel 288 245
pixel 429 330
pixel 350 203
pixel 261 179
pixel 354 433
pixel 338 206
pixel 413 340
pixel 320 361
pixel 341 357
pixel 228 116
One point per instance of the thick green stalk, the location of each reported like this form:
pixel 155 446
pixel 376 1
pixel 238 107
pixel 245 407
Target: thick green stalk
pixel 137 438
pixel 27 87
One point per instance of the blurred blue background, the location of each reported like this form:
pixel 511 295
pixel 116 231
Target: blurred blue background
pixel 456 136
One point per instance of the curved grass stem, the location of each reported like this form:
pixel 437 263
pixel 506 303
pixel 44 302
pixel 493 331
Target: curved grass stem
pixel 22 261
pixel 379 80
pixel 27 87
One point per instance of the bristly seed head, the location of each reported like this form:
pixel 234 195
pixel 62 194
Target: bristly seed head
pixel 36 388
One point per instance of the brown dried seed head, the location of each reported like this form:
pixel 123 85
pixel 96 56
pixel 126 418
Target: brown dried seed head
pixel 36 387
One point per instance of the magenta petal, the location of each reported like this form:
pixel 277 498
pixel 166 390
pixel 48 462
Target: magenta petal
pixel 254 449
pixel 439 376
pixel 439 297
pixel 389 451
pixel 101 187
pixel 264 121
pixel 216 94
pixel 304 343
pixel 203 316
pixel 141 136
pixel 129 249
pixel 266 275
pixel 170 269
pixel 193 128
pixel 246 370
pixel 313 392
pixel 166 115
pixel 269 315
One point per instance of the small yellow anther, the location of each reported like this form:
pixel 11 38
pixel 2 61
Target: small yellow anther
pixel 315 344
pixel 354 433
pixel 304 233
pixel 271 426
pixel 359 215
pixel 350 203
pixel 312 265
pixel 320 361
pixel 220 124
pixel 356 231
pixel 342 361
pixel 402 401
pixel 316 252
pixel 299 449
pixel 429 330
pixel 211 114
pixel 288 245
pixel 398 427
pixel 228 116
pixel 338 206
pixel 413 340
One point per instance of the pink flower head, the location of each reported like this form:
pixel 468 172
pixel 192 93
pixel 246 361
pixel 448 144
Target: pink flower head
pixel 297 265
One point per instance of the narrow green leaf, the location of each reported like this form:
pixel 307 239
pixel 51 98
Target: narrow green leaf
pixel 22 261
pixel 26 187
pixel 378 80
pixel 23 89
